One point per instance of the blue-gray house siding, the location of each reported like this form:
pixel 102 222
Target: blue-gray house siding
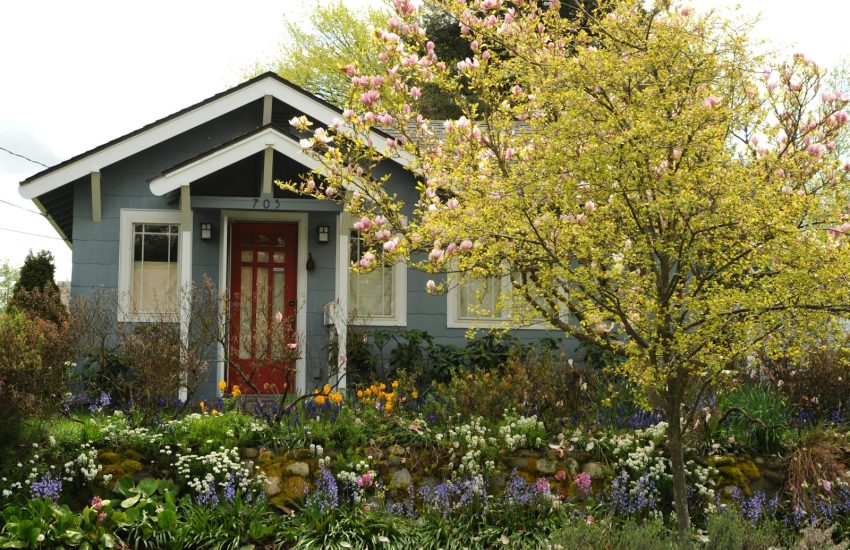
pixel 124 184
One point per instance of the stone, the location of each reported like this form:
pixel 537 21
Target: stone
pixel 546 466
pixel 400 479
pixel 250 452
pixel 595 469
pixel 571 466
pixel 271 485
pixel 300 469
pixel 518 462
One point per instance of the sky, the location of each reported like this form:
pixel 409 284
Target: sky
pixel 78 74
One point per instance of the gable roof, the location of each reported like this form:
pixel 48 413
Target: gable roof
pixel 267 84
pixel 228 153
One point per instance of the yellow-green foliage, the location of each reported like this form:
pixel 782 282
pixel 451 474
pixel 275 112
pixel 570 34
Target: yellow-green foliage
pixel 651 185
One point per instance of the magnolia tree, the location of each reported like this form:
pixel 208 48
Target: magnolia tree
pixel 652 186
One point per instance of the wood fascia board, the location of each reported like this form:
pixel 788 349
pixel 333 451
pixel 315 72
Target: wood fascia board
pixel 55 225
pixel 178 125
pixel 231 154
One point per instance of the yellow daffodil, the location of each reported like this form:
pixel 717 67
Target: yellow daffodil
pixel 203 406
pixel 222 386
pixel 395 383
pixel 235 391
pixel 213 412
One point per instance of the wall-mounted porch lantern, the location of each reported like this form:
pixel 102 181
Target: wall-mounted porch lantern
pixel 323 233
pixel 206 231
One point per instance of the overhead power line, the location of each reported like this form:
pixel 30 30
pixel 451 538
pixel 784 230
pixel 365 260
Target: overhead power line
pixel 22 208
pixel 23 157
pixel 31 234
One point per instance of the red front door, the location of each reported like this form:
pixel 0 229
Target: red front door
pixel 263 261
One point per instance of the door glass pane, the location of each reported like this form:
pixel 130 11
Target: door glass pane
pixel 247 256
pixel 245 298
pixel 262 256
pixel 264 315
pixel 279 257
pixel 278 329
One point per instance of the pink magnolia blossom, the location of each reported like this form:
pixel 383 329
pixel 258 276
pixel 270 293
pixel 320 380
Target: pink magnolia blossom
pixel 310 186
pixel 306 143
pixel 486 55
pixel 711 101
pixel 686 11
pixel 452 204
pixel 370 97
pixel 451 248
pixel 348 114
pixel 436 255
pixel 590 206
pixel 415 92
pixel 465 245
pixel 330 191
pixel 390 246
pixel 431 285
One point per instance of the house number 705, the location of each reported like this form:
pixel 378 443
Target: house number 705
pixel 267 204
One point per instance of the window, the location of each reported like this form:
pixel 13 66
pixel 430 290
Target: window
pixel 483 303
pixel 376 297
pixel 149 266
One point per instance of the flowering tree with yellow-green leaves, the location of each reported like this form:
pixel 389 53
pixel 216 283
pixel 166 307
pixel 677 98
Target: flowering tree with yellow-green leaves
pixel 652 186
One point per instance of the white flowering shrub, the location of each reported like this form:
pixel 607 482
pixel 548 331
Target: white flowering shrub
pixel 84 467
pixel 473 449
pixel 215 471
pixel 521 432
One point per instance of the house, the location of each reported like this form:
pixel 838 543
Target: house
pixel 192 195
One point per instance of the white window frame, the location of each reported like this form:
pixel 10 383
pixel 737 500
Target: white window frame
pixel 453 319
pixel 399 275
pixel 130 217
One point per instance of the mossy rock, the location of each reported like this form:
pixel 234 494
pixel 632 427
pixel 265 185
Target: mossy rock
pixel 131 466
pixel 130 454
pixel 293 489
pixel 718 461
pixel 108 457
pixel 749 469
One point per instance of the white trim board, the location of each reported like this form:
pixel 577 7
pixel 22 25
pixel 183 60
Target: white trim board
pixel 229 216
pixel 265 85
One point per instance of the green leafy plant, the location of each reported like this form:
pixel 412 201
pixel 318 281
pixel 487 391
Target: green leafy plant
pixel 755 416
pixel 234 523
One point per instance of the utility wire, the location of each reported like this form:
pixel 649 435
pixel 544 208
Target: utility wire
pixel 22 208
pixel 24 157
pixel 31 234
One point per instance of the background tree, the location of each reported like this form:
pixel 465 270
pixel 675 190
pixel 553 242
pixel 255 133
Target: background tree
pixel 8 278
pixel 314 56
pixel 36 286
pixel 652 187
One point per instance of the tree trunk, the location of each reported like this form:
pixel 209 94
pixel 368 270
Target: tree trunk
pixel 677 458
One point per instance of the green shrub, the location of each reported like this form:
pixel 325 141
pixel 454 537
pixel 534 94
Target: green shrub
pixel 651 535
pixel 729 531
pixel 34 371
